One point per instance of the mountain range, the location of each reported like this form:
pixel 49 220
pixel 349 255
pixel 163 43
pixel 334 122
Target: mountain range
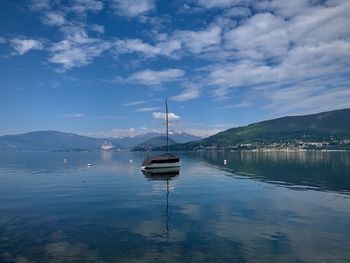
pixel 129 142
pixel 326 130
pixel 48 141
pixel 62 141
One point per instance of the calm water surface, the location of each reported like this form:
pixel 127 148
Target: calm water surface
pixel 260 207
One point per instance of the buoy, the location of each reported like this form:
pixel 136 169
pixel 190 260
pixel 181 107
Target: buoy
pixel 89 164
pixel 64 160
pixel 225 162
pixel 131 161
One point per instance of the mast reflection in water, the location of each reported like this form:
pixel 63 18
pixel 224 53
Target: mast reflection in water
pixel 165 174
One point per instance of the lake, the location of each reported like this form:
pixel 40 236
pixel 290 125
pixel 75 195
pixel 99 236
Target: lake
pixel 259 207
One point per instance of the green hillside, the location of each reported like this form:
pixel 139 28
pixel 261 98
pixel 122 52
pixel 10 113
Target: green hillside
pixel 331 128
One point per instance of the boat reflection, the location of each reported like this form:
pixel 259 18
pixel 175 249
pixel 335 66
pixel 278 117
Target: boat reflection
pixel 163 174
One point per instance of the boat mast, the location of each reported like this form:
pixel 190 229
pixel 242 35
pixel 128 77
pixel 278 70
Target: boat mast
pixel 167 124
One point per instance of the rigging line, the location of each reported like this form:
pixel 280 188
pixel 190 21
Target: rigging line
pixel 167 125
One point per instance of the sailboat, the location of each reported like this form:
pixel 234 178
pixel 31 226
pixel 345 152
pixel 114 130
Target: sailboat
pixel 166 162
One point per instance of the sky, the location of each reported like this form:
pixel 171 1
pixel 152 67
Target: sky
pixel 105 68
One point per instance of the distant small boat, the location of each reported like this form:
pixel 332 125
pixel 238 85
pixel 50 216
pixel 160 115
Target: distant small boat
pixel 166 160
pixel 107 145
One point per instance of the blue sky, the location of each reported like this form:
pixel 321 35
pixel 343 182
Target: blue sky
pixel 104 68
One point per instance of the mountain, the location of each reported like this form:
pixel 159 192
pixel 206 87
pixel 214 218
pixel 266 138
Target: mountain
pixel 128 142
pixel 150 144
pixel 61 141
pixel 326 130
pixel 131 142
pixel 183 137
pixel 52 141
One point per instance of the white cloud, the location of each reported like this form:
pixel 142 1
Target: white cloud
pixel 188 94
pixel 74 115
pixel 146 109
pixel 70 56
pixel 39 5
pixel 321 24
pixel 82 6
pixel 151 77
pixel 237 12
pixel 136 45
pixel 262 36
pixel 239 74
pixel 221 3
pixel 190 9
pixel 242 104
pixel 164 48
pixel 301 63
pixel 156 22
pixel 292 46
pixel 132 8
pixel 285 8
pixel 287 55
pixel 54 13
pixel 304 83
pixel 77 49
pixel 199 41
pixel 190 91
pixel 302 99
pixel 97 28
pixel 266 35
pixel 53 19
pixel 181 41
pixel 22 46
pixel 161 115
pixel 134 103
pixel 304 62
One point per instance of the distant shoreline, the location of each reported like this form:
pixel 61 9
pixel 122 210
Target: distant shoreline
pixel 209 150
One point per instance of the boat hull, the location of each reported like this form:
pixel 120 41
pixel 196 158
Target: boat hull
pixel 152 166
